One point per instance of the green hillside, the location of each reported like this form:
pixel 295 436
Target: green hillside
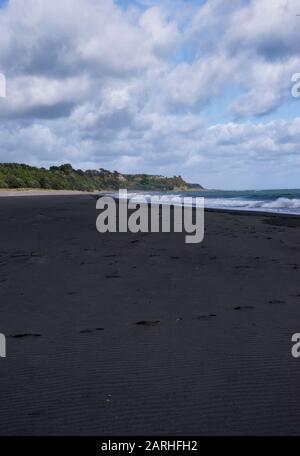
pixel 17 176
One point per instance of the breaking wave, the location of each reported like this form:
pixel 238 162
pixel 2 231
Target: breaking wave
pixel 283 205
pixel 265 201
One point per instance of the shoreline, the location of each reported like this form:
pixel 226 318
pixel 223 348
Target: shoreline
pixel 254 213
pixel 12 193
pixel 236 211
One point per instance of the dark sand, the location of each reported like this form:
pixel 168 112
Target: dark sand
pixel 210 355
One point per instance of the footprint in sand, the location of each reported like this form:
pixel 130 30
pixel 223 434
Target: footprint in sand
pixel 243 308
pixel 206 317
pixel 147 323
pixel 89 331
pixel 22 336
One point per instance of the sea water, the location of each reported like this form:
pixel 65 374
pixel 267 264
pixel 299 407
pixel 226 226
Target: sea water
pixel 276 201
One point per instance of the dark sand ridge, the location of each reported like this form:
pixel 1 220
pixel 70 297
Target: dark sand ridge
pixel 143 334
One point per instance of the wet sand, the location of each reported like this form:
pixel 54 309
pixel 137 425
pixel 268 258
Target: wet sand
pixel 142 334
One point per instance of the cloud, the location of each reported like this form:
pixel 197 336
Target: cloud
pixel 212 153
pixel 34 97
pixel 271 29
pixel 163 33
pixel 267 86
pixel 128 85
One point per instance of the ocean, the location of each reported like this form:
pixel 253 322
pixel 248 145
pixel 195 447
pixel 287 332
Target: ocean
pixel 275 201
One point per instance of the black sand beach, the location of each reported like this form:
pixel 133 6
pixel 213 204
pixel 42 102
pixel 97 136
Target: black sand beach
pixel 125 334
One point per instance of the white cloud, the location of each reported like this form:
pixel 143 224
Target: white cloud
pixel 163 33
pixel 96 84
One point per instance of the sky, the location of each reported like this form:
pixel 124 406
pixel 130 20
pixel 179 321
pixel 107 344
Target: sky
pixel 195 88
